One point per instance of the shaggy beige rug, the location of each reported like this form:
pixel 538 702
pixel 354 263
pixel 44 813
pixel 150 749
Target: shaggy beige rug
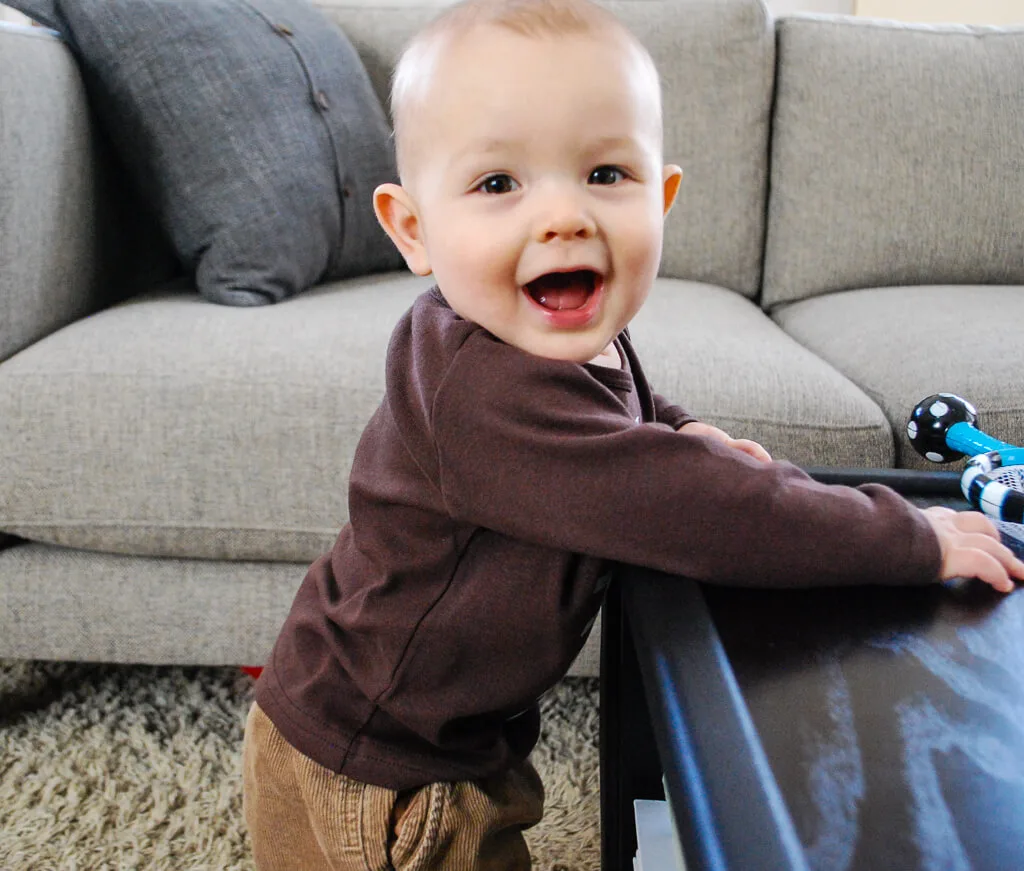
pixel 117 767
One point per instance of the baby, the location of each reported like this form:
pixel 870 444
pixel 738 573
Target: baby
pixel 518 454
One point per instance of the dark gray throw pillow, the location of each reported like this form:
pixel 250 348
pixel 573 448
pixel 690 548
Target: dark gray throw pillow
pixel 250 126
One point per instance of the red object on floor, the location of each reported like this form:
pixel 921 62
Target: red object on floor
pixel 252 670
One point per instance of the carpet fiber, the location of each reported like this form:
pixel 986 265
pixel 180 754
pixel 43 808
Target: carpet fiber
pixel 118 767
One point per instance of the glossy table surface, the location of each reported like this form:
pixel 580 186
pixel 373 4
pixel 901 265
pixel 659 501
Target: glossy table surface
pixel 863 728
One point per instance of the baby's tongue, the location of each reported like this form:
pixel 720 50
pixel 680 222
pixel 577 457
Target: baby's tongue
pixel 559 291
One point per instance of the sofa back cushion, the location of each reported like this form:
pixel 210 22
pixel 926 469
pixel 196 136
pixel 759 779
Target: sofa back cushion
pixel 716 60
pixel 897 157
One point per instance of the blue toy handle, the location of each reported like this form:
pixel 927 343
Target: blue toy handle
pixel 972 441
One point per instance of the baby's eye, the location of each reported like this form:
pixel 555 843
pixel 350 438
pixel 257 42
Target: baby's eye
pixel 499 183
pixel 606 175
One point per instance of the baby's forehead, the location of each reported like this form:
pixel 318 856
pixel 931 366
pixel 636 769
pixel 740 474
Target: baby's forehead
pixel 432 68
pixel 442 53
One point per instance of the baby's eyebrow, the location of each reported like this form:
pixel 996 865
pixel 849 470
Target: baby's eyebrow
pixel 608 142
pixel 489 145
pixel 624 148
pixel 477 150
pixel 494 145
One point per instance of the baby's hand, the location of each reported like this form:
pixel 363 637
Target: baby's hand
pixel 746 445
pixel 971 548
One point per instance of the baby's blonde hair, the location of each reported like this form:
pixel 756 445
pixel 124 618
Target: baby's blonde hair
pixel 529 18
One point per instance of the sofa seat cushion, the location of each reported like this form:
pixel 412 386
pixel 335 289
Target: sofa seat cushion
pixel 902 344
pixel 723 359
pixel 167 426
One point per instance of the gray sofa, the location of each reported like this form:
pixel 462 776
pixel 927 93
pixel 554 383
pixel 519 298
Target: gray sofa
pixel 849 238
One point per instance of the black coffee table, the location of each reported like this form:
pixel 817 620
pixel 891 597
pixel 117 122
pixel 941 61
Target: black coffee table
pixel 864 728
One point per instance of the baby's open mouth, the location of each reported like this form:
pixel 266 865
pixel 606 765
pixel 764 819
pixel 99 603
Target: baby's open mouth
pixel 563 291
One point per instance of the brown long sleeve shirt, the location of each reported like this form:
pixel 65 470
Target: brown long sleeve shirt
pixel 490 496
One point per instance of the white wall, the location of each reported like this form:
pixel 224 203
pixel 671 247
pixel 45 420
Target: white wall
pixel 933 11
pixel 843 7
pixel 8 14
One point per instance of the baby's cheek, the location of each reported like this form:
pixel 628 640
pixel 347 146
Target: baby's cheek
pixel 473 245
pixel 643 253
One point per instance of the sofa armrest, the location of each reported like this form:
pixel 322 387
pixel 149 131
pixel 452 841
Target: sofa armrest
pixel 68 243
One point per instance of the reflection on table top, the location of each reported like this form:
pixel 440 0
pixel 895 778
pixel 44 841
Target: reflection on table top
pixel 864 728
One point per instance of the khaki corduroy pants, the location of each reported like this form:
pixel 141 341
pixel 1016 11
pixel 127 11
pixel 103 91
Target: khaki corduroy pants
pixel 304 817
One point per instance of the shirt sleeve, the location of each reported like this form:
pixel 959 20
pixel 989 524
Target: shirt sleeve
pixel 540 450
pixel 670 413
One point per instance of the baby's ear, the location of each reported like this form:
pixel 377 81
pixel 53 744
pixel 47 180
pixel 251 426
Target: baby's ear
pixel 672 178
pixel 397 214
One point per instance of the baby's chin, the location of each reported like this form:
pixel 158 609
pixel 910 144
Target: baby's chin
pixel 565 350
pixel 571 346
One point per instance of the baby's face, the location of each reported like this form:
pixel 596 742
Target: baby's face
pixel 535 171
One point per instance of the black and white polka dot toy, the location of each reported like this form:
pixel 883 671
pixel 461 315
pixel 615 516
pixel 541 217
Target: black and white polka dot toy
pixel 942 429
pixel 931 421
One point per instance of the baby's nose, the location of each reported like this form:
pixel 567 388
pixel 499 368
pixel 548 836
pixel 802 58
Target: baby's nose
pixel 564 216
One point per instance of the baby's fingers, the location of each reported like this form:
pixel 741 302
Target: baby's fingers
pixel 979 555
pixel 752 448
pixel 971 548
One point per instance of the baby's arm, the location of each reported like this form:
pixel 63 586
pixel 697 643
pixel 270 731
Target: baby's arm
pixel 969 541
pixel 971 548
pixel 749 447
